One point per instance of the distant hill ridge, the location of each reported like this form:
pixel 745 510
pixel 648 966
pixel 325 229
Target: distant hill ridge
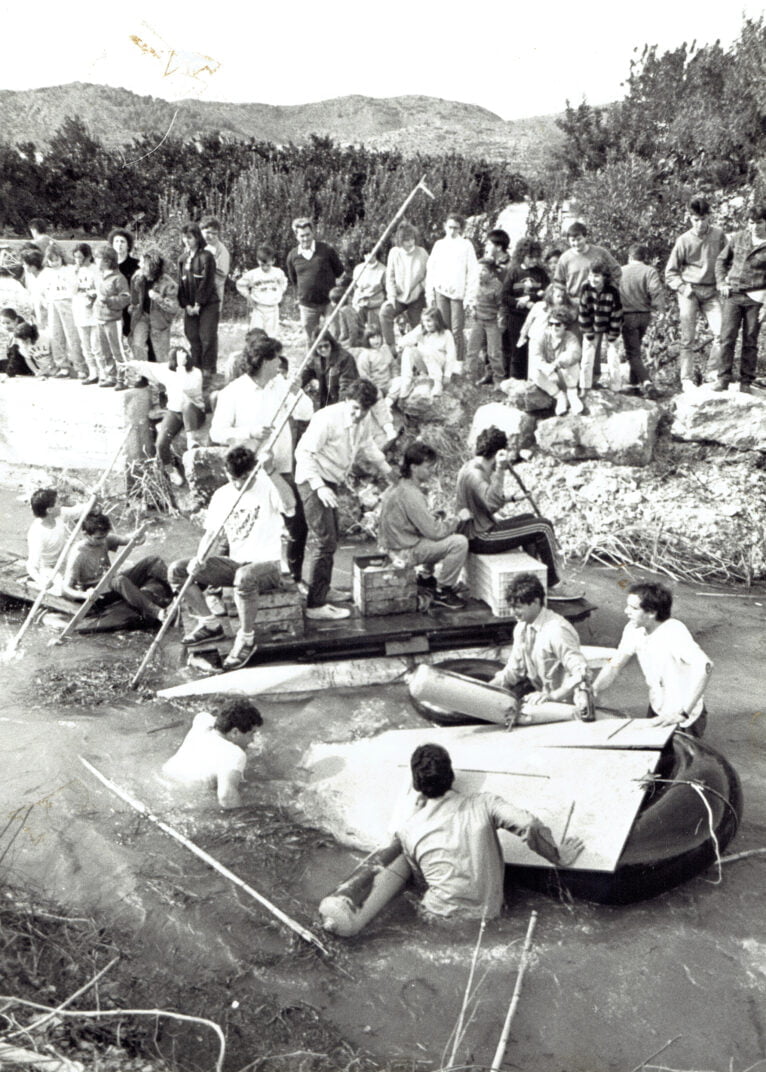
pixel 410 124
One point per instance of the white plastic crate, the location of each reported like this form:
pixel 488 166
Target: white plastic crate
pixel 488 577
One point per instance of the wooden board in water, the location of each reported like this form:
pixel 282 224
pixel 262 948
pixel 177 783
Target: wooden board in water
pixel 15 583
pixel 359 789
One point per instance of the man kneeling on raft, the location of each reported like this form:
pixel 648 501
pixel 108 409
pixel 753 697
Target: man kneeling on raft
pixel 214 751
pixel 451 840
pixel 546 662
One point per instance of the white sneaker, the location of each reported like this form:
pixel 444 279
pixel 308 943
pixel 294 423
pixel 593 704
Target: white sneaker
pixel 338 595
pixel 327 613
pixel 215 604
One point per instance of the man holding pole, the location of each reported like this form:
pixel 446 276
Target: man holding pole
pixel 250 519
pixel 450 838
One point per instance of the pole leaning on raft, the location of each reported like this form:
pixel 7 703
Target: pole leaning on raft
pixel 502 1045
pixel 14 643
pixel 281 417
pixel 142 809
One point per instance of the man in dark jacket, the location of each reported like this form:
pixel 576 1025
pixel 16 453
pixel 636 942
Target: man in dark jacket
pixel 740 272
pixel 313 268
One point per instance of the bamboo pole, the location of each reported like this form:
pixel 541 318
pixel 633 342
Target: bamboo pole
pixel 505 1035
pixel 281 417
pixel 142 809
pixel 98 589
pixel 14 643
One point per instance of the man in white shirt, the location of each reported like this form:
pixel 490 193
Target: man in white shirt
pixel 675 667
pixel 336 436
pixel 252 526
pixel 214 751
pixel 245 415
pixel 48 535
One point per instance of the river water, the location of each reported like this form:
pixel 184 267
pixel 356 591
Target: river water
pixel 605 989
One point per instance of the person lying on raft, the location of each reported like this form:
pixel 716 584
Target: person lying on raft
pixel 214 751
pixel 546 662
pixel 252 529
pixel 451 840
pixel 48 534
pixel 481 492
pixel 89 561
pixel 675 667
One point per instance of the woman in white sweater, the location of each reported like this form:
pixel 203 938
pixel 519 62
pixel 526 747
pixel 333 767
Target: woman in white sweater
pixel 452 277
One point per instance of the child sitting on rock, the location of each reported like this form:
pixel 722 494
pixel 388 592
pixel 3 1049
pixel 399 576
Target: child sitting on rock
pixel 600 320
pixel 375 362
pixel 555 362
pixel 428 348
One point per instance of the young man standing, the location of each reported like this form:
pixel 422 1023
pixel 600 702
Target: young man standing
pixel 335 437
pixel 574 265
pixel 452 276
pixel 675 667
pixel 741 274
pixel 211 232
pixel 214 751
pixel 690 272
pixel 409 532
pixel 451 839
pixel 313 268
pixel 643 297
pixel 546 662
pixel 251 524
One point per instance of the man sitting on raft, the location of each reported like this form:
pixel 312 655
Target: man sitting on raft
pixel 451 840
pixel 481 492
pixel 546 662
pixel 675 667
pixel 214 751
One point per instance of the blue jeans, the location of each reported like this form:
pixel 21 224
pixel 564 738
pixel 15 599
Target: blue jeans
pixel 454 317
pixel 739 311
pixel 702 300
pixel 322 522
pixel 634 327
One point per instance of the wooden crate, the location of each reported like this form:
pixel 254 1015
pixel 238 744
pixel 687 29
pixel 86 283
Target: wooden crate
pixel 279 613
pixel 488 577
pixel 382 588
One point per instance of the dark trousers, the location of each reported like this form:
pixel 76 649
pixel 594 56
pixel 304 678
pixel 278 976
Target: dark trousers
pixel 526 531
pixel 517 357
pixel 322 522
pixel 297 531
pixel 739 311
pixel 634 327
pixel 202 333
pixel 128 584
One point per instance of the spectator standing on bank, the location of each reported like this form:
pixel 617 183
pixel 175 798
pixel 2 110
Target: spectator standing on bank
pixel 642 296
pixel 452 276
pixel 211 232
pixel 486 335
pixel 741 273
pixel 153 307
pixel 198 297
pixel 313 268
pixel 264 287
pixel 404 282
pixel 121 242
pixel 523 286
pixel 575 263
pixel 690 272
pixel 83 314
pixel 59 285
pixel 112 297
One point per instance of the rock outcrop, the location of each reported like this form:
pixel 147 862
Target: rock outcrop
pixel 732 419
pixel 617 428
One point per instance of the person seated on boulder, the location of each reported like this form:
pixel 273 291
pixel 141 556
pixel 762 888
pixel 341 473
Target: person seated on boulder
pixel 428 348
pixel 546 661
pixel 185 404
pixel 89 561
pixel 330 372
pixel 480 494
pixel 554 362
pixel 375 362
pixel 554 298
pixel 410 534
pixel 214 752
pixel 600 321
pixel 675 667
pixel 48 534
pixel 251 524
pixel 450 839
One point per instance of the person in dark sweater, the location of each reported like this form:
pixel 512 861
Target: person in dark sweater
pixel 121 242
pixel 740 272
pixel 600 320
pixel 198 297
pixel 330 371
pixel 524 284
pixel 313 268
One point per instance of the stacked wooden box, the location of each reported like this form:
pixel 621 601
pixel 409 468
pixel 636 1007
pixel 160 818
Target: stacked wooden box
pixel 280 614
pixel 488 577
pixel 379 587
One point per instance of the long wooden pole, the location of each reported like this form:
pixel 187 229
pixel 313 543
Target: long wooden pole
pixel 14 643
pixel 281 417
pixel 142 809
pixel 95 592
pixel 506 1032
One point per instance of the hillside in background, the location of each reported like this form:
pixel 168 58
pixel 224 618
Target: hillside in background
pixel 409 124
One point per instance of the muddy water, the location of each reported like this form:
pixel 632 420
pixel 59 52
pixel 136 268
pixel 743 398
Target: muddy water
pixel 606 987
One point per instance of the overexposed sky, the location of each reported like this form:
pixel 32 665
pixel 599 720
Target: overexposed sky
pixel 514 58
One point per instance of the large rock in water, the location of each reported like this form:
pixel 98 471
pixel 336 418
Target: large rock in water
pixel 517 425
pixel 205 472
pixel 617 428
pixel 735 420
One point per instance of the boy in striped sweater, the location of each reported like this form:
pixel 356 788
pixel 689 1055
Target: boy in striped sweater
pixel 600 320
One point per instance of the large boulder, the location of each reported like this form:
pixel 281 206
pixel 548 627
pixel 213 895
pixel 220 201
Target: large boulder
pixel 617 428
pixel 735 420
pixel 205 472
pixel 421 406
pixel 527 396
pixel 517 425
